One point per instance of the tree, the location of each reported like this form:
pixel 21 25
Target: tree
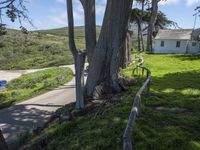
pixel 151 26
pixel 104 55
pixel 15 10
pixel 197 12
pixel 140 17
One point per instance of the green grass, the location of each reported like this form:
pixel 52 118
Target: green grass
pixel 175 88
pixel 33 84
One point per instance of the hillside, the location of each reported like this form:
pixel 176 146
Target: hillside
pixel 38 49
pixel 79 31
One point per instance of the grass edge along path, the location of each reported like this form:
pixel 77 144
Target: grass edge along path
pixel 33 84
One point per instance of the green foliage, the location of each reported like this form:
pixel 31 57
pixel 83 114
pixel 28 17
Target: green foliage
pixel 33 84
pixel 33 50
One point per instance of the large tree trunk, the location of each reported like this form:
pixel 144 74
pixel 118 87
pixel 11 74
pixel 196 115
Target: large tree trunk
pixel 141 24
pixel 104 65
pixel 153 18
pixel 140 36
pixel 126 51
pixel 90 26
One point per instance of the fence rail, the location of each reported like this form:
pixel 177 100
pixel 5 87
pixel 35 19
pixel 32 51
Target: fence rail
pixel 136 108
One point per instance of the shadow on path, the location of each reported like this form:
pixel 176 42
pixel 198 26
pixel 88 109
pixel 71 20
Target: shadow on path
pixel 21 118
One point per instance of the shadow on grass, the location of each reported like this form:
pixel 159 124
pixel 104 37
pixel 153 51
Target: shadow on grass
pixel 170 130
pixel 177 81
pixel 186 57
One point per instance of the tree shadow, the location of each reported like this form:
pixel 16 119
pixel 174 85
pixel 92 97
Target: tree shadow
pixel 20 119
pixel 177 81
pixel 171 114
pixel 186 57
pixel 181 89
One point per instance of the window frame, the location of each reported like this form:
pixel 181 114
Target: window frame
pixel 178 44
pixel 194 44
pixel 162 44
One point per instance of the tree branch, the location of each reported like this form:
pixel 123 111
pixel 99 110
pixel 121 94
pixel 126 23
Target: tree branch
pixel 72 45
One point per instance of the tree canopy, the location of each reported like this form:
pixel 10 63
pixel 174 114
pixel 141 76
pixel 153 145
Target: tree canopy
pixel 14 10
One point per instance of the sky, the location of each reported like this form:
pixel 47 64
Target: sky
pixel 47 14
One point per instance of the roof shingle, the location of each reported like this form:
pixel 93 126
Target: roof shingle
pixel 174 34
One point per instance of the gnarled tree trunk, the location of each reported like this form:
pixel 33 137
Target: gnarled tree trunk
pixel 104 66
pixel 90 27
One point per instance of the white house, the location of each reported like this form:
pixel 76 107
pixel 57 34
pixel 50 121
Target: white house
pixel 177 41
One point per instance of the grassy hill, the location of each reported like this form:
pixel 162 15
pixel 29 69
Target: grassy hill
pixel 38 49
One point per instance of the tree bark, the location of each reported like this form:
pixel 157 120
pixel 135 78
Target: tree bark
pixel 140 36
pixel 126 51
pixel 79 58
pixel 104 65
pixel 90 27
pixel 141 32
pixel 80 61
pixel 153 18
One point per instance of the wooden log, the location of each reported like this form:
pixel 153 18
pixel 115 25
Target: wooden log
pixel 127 142
pixel 136 110
pixel 3 145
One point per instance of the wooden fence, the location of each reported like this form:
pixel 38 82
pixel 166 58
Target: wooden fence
pixel 136 108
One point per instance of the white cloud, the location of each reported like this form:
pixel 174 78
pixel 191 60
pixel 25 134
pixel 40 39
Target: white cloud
pixel 61 1
pixel 100 9
pixel 187 2
pixel 192 2
pixel 168 2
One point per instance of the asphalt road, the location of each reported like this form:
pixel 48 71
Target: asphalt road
pixel 34 112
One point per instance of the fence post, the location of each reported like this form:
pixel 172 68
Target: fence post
pixel 149 84
pixel 142 71
pixel 3 145
pixel 137 70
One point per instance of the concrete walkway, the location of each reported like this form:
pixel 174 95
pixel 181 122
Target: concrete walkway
pixel 24 116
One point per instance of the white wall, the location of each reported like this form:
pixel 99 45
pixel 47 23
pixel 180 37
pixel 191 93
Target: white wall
pixel 194 49
pixel 170 47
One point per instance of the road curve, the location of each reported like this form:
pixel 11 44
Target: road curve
pixel 34 112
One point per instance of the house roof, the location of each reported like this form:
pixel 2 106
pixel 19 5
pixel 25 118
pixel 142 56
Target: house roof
pixel 174 34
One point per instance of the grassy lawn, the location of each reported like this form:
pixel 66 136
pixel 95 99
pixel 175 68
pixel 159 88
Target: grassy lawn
pixel 33 84
pixel 170 118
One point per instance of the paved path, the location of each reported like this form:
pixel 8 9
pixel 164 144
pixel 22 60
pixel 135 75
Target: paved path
pixel 24 116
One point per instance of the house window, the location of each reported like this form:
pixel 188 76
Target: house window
pixel 194 43
pixel 178 44
pixel 162 44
